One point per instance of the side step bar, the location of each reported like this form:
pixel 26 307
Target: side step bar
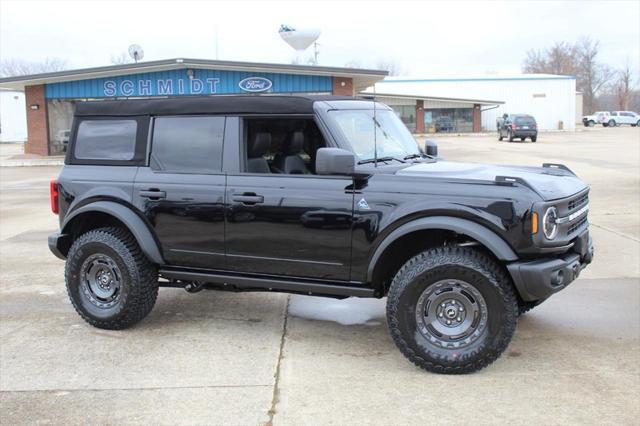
pixel 269 284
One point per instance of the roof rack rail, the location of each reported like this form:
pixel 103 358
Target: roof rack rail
pixel 557 166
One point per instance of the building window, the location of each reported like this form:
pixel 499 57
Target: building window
pixel 406 113
pixel 448 120
pixel 60 115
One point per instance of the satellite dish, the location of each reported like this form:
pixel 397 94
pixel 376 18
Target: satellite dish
pixel 136 52
pixel 299 39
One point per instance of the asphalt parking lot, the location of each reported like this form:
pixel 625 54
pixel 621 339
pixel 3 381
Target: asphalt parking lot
pixel 215 358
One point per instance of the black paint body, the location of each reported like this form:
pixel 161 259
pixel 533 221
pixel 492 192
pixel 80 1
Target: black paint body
pixel 311 228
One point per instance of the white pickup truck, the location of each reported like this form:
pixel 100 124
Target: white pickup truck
pixel 597 117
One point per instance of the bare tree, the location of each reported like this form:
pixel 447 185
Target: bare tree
pixel 592 76
pixel 561 58
pixel 394 67
pixel 13 67
pixel 121 59
pixel 622 88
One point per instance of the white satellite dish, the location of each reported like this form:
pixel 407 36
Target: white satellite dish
pixel 136 52
pixel 299 39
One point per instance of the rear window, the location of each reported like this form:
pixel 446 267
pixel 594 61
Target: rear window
pixel 525 121
pixel 106 140
pixel 187 144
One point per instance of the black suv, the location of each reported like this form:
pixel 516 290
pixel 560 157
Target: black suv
pixel 516 126
pixel 312 195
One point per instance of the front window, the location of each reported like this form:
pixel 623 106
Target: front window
pixel 383 134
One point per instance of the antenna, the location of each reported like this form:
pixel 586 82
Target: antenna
pixel 136 52
pixel 375 130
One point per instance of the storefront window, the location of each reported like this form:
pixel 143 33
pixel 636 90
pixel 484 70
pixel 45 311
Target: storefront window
pixel 406 113
pixel 60 118
pixel 448 120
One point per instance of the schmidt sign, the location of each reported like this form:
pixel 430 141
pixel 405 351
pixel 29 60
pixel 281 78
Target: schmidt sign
pixel 178 86
pixel 187 82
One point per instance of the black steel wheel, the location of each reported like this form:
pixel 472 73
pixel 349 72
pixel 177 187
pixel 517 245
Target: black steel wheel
pixel 110 282
pixel 451 310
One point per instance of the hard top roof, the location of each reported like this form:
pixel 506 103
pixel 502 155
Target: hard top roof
pixel 242 104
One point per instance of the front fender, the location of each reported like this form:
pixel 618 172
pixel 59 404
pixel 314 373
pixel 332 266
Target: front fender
pixel 129 218
pixel 483 235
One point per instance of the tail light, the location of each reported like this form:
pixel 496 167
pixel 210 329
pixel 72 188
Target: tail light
pixel 53 192
pixel 514 126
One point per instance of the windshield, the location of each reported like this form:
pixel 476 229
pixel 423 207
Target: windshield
pixel 392 139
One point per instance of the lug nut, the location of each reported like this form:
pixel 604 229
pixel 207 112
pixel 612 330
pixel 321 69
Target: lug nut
pixel 448 321
pixel 461 309
pixel 459 319
pixel 441 315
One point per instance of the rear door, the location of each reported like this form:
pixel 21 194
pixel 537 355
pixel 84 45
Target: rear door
pixel 182 191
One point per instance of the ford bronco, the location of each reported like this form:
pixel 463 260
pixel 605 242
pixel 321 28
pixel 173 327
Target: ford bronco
pixel 313 195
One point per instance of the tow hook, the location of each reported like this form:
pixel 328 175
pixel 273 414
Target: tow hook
pixel 194 286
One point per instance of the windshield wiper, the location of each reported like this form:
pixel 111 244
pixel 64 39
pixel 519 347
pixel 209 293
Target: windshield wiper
pixel 412 156
pixel 373 160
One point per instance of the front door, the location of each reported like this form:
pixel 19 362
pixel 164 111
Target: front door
pixel 282 218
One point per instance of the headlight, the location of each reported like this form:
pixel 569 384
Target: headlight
pixel 549 223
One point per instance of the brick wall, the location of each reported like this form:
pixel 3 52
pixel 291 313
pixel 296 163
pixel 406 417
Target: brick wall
pixel 342 86
pixel 37 126
pixel 477 118
pixel 419 116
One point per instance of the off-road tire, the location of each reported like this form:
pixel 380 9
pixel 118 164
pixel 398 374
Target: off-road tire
pixel 524 307
pixel 138 281
pixel 449 263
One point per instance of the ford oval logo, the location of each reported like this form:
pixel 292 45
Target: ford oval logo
pixel 255 84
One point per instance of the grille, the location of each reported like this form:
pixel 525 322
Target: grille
pixel 578 202
pixel 575 226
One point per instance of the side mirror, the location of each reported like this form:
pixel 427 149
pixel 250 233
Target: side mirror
pixel 335 161
pixel 431 148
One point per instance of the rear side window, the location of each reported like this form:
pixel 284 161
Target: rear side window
pixel 111 140
pixel 187 144
pixel 525 121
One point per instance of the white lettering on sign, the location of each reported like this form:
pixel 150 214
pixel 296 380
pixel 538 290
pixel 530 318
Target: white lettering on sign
pixel 165 87
pixel 196 86
pixel 180 87
pixel 126 87
pixel 109 88
pixel 213 84
pixel 144 88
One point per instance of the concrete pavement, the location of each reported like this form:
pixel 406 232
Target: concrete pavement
pixel 222 358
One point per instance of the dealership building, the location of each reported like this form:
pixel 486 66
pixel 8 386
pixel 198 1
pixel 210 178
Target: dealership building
pixel 49 98
pixel 425 105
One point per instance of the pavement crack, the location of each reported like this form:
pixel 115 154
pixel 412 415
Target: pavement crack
pixel 276 386
pixel 606 228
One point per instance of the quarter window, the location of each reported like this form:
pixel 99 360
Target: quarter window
pixel 187 144
pixel 106 140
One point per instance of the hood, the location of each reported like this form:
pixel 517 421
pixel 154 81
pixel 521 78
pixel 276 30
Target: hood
pixel 550 183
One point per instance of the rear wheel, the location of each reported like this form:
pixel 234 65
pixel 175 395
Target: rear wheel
pixel 611 123
pixel 500 136
pixel 523 139
pixel 510 136
pixel 110 282
pixel 534 138
pixel 451 310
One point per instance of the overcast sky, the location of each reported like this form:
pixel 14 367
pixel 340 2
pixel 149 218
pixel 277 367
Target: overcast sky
pixel 425 38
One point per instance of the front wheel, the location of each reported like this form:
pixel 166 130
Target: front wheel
pixel 451 310
pixel 611 123
pixel 110 282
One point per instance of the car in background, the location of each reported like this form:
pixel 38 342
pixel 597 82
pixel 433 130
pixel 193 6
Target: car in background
pixel 444 124
pixel 617 118
pixel 62 139
pixel 598 117
pixel 514 126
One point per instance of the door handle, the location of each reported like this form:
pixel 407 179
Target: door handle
pixel 248 198
pixel 153 194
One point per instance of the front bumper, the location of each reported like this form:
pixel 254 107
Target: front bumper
pixel 540 278
pixel 56 242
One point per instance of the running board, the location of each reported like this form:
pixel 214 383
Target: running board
pixel 269 284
